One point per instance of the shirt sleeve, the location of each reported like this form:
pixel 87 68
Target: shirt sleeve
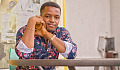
pixel 23 48
pixel 68 47
pixel 72 52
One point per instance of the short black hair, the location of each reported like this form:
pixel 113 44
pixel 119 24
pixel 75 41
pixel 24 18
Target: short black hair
pixel 52 4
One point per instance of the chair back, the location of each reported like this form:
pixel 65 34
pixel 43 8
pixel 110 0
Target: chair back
pixel 12 56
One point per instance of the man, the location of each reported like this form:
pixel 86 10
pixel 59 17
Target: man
pixel 42 38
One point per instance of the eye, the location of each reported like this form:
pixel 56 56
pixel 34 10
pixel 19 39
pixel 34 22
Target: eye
pixel 57 17
pixel 47 16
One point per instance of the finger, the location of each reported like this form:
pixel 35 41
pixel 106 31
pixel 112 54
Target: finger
pixel 36 15
pixel 39 16
pixel 39 24
pixel 39 21
pixel 43 23
pixel 39 27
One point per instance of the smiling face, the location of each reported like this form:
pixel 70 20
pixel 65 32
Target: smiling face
pixel 51 17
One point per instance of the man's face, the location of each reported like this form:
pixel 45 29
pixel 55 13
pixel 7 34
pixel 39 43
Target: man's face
pixel 51 17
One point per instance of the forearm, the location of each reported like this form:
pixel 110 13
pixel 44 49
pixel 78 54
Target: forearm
pixel 28 36
pixel 57 43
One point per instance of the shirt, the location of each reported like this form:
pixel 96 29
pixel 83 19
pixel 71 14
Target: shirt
pixel 39 51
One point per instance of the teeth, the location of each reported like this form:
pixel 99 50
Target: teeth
pixel 50 25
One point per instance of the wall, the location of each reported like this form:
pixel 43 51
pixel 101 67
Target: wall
pixel 115 23
pixel 87 20
pixel 11 20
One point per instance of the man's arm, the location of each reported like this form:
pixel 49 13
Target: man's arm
pixel 28 36
pixel 71 47
pixel 57 43
pixel 20 48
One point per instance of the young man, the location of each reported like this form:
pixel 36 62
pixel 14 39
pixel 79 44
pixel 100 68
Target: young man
pixel 42 38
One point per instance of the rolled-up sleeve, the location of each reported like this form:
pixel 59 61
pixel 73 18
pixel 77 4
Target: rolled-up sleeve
pixel 71 47
pixel 23 48
pixel 68 47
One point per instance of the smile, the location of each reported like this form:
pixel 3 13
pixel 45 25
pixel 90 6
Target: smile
pixel 51 25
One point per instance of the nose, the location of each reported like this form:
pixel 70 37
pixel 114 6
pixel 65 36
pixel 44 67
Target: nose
pixel 52 19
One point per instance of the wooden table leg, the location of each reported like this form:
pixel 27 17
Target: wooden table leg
pixel 71 67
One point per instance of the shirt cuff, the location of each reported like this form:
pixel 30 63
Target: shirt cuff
pixel 68 47
pixel 23 48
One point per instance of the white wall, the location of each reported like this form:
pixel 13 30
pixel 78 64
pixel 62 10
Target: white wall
pixel 87 20
pixel 115 23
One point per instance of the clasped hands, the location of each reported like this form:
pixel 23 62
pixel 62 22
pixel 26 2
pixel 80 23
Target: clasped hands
pixel 39 25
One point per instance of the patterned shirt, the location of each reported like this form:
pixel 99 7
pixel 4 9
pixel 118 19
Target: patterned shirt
pixel 39 51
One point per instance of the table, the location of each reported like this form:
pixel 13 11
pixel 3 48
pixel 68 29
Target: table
pixel 66 62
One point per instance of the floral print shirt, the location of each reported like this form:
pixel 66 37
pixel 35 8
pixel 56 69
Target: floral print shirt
pixel 39 51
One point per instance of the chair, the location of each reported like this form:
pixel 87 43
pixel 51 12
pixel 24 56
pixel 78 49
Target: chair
pixel 12 55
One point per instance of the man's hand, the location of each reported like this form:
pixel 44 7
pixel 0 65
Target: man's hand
pixel 40 27
pixel 35 26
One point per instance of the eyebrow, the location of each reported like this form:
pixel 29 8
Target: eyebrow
pixel 50 14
